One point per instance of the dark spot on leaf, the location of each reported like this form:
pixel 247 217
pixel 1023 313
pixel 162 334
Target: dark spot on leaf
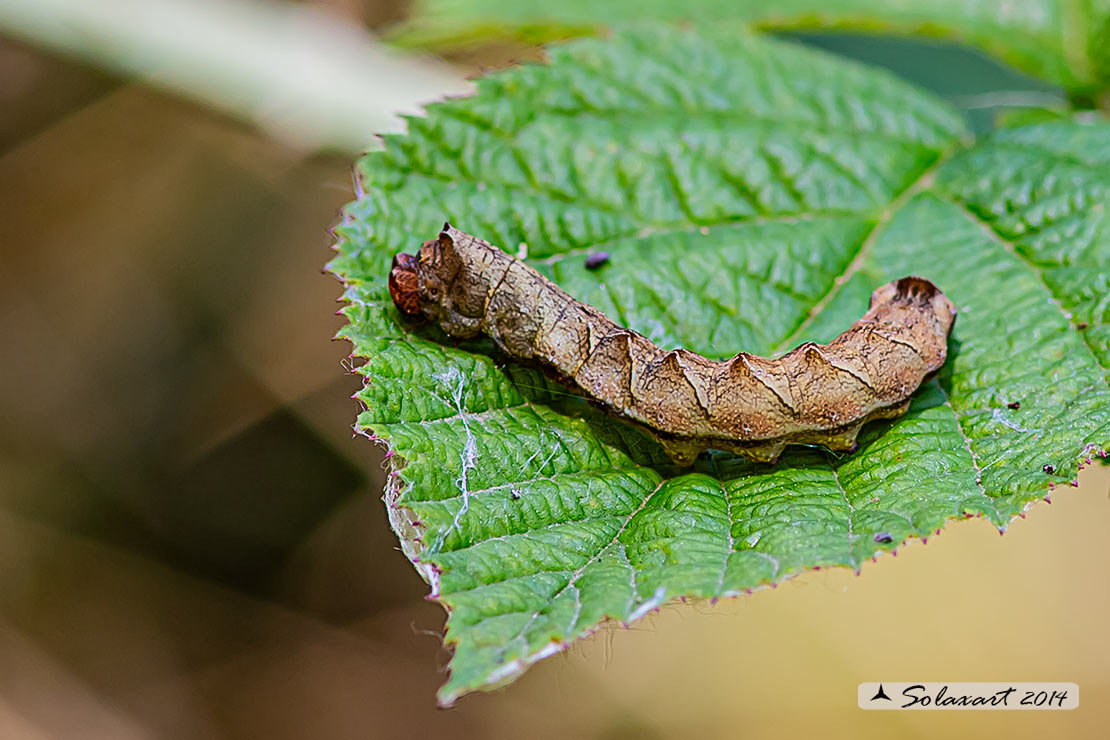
pixel 596 260
pixel 1014 404
pixel 884 538
pixel 1050 469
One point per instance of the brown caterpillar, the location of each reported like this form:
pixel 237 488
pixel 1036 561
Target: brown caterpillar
pixel 749 405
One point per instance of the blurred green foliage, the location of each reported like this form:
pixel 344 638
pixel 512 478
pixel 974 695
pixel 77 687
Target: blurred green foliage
pixel 1060 41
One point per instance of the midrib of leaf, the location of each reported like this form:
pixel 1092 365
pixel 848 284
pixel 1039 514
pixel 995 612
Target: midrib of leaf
pixel 923 180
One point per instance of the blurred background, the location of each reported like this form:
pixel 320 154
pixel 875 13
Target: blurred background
pixel 192 543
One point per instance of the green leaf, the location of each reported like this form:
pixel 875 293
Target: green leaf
pixel 751 194
pixel 1061 41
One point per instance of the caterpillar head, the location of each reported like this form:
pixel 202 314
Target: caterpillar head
pixel 404 286
pixel 418 281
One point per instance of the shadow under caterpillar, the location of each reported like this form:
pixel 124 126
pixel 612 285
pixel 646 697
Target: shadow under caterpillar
pixel 748 405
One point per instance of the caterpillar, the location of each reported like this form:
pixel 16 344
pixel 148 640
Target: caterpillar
pixel 817 394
